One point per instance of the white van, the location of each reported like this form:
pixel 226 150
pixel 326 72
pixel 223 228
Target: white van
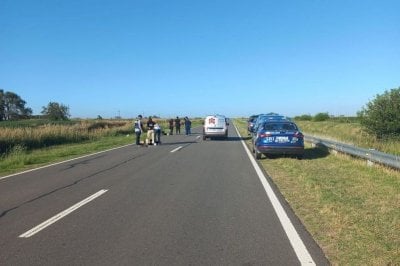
pixel 215 126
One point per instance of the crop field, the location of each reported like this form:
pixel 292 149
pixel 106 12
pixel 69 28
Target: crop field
pixel 352 210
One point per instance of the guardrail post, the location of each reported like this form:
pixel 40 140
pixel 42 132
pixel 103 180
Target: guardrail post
pixel 369 161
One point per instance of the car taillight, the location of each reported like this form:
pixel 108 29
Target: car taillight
pixel 264 135
pixel 298 135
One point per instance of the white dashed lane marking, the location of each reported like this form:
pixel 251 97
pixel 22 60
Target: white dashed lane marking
pixel 62 214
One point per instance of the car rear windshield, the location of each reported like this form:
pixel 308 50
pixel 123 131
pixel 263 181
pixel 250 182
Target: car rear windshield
pixel 279 126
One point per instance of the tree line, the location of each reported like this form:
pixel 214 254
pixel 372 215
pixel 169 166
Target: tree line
pixel 13 107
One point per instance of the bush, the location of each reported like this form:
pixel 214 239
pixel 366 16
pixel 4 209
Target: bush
pixel 304 118
pixel 381 116
pixel 321 117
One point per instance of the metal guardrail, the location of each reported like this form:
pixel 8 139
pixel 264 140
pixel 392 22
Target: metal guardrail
pixel 372 156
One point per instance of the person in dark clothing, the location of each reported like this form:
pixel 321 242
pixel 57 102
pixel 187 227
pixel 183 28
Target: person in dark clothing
pixel 150 131
pixel 138 127
pixel 171 126
pixel 188 124
pixel 178 125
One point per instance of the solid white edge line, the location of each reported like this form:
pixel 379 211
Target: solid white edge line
pixel 177 149
pixel 300 249
pixel 60 215
pixel 49 165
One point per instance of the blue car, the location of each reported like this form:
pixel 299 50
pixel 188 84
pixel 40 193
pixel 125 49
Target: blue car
pixel 265 117
pixel 278 137
pixel 250 123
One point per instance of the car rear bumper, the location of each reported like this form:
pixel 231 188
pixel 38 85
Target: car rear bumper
pixel 297 150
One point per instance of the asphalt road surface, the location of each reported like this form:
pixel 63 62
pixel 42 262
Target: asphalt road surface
pixel 185 202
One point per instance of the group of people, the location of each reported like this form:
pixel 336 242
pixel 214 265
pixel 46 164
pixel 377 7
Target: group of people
pixel 177 122
pixel 154 129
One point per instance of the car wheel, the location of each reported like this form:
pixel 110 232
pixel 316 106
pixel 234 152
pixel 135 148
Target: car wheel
pixel 257 154
pixel 204 137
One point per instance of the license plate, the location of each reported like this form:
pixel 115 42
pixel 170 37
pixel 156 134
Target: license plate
pixel 281 139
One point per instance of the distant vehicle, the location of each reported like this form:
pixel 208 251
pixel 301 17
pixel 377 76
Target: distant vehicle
pixel 215 126
pixel 265 117
pixel 250 123
pixel 278 137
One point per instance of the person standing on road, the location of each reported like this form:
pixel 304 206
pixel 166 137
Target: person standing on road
pixel 138 127
pixel 157 133
pixel 178 125
pixel 150 131
pixel 188 124
pixel 171 126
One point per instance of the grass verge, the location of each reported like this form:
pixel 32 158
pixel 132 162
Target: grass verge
pixel 20 159
pixel 352 210
pixel 351 133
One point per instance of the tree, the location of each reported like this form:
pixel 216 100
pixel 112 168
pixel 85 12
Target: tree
pixel 381 116
pixel 56 111
pixel 12 106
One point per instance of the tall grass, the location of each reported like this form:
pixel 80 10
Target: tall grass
pixel 351 133
pixel 47 135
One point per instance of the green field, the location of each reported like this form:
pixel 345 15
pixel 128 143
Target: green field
pixel 352 210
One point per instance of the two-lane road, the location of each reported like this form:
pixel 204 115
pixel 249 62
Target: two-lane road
pixel 186 202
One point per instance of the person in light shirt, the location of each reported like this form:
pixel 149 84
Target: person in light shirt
pixel 138 127
pixel 157 133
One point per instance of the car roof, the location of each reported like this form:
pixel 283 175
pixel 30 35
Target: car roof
pixel 278 121
pixel 273 117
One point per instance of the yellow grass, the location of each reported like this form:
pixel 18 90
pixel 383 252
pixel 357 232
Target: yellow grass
pixel 48 135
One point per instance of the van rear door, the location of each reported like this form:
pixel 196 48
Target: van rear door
pixel 215 126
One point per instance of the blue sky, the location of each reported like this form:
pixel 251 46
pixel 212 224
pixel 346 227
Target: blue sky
pixel 195 58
